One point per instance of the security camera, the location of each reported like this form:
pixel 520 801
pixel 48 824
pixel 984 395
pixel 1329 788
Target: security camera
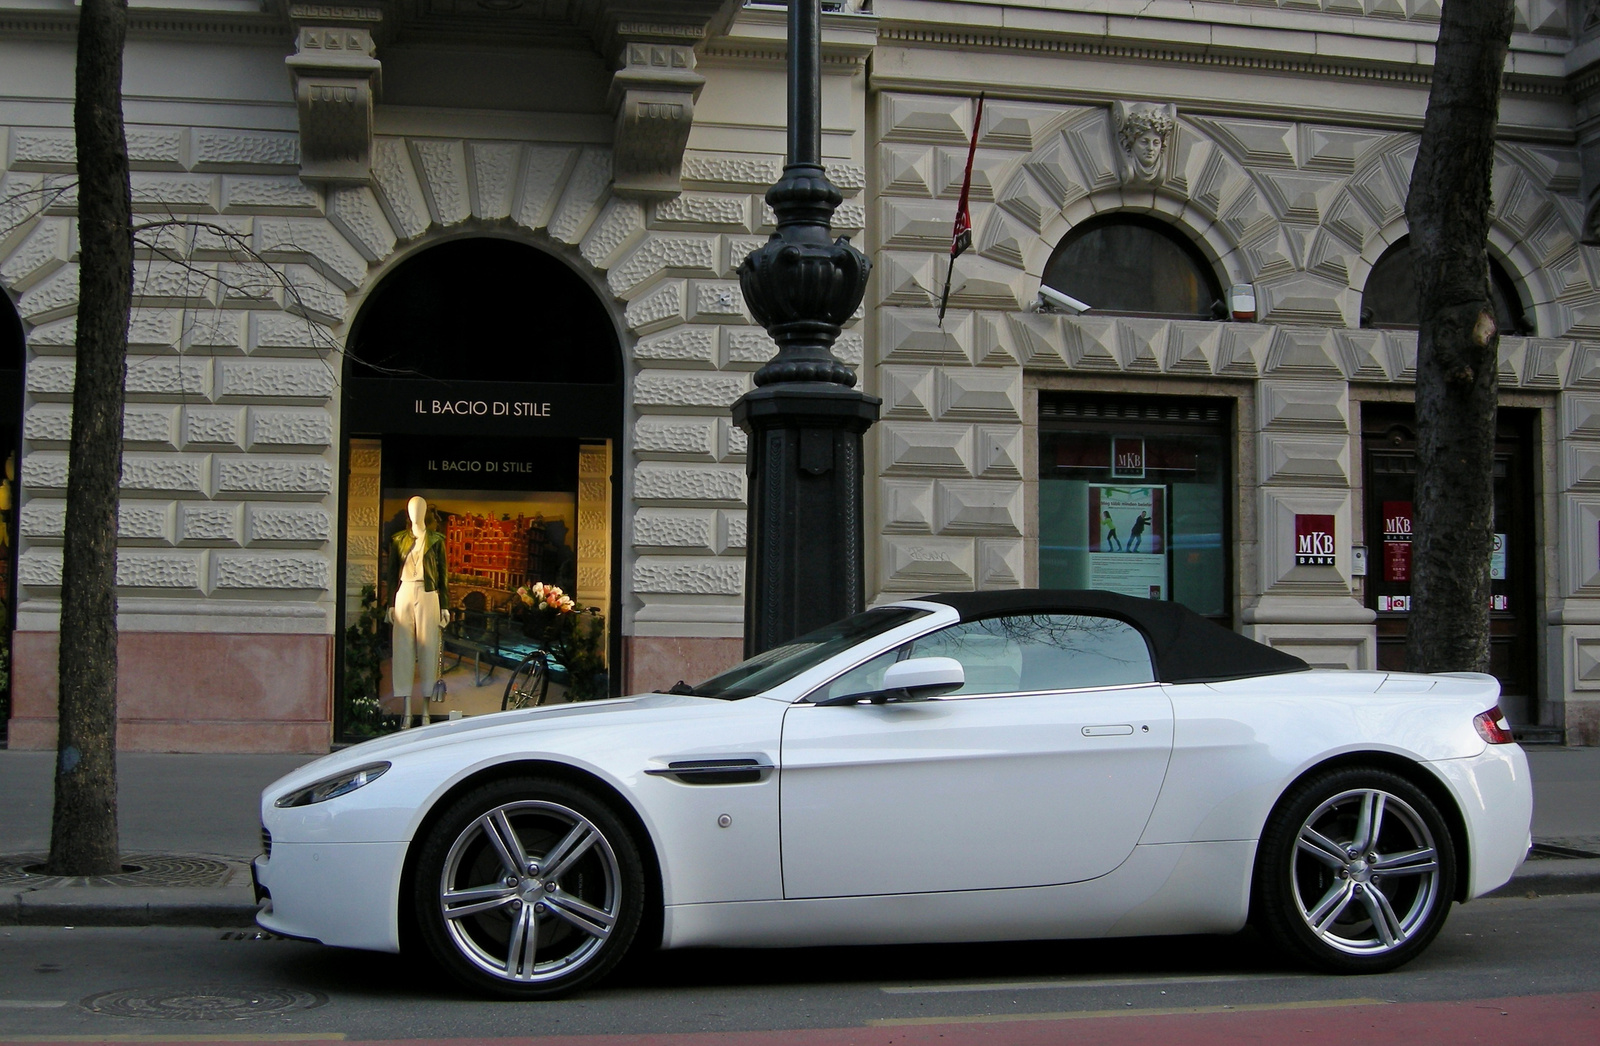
pixel 1052 300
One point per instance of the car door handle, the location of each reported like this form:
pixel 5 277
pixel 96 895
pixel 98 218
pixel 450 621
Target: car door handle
pixel 1108 731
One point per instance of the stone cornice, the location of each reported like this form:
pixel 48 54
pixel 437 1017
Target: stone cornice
pixel 1242 59
pixel 758 37
pixel 1585 83
pixel 147 24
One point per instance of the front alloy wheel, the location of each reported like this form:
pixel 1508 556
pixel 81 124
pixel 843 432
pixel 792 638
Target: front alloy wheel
pixel 528 889
pixel 1357 873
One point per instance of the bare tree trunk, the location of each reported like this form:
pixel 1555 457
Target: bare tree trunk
pixel 83 835
pixel 1458 346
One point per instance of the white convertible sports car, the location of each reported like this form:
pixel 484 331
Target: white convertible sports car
pixel 976 767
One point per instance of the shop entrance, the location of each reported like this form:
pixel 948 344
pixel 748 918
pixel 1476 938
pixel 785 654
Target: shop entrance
pixel 482 377
pixel 1388 439
pixel 11 356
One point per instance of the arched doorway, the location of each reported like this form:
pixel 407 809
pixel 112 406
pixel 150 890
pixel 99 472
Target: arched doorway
pixel 485 376
pixel 11 356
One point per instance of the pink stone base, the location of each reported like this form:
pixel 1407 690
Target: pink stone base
pixel 1583 722
pixel 656 662
pixel 191 692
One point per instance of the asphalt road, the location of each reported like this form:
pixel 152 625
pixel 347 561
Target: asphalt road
pixel 1504 971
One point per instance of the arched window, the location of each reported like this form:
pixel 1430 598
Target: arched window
pixel 1133 264
pixel 1389 300
pixel 485 309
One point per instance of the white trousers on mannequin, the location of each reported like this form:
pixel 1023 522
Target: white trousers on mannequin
pixel 416 635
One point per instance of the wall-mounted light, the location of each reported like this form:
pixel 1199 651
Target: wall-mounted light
pixel 1242 303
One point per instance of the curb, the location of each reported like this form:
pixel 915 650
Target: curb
pixel 235 906
pixel 130 906
pixel 1552 878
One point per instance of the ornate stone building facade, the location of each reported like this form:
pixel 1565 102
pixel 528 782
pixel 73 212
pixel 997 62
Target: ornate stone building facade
pixel 295 157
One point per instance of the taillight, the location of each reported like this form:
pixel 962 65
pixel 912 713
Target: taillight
pixel 1492 726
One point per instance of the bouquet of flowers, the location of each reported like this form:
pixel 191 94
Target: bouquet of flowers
pixel 547 597
pixel 571 633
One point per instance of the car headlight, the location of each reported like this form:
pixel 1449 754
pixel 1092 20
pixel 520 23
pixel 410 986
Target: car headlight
pixel 333 787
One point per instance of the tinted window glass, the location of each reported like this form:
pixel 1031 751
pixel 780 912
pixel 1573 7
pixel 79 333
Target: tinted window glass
pixel 865 678
pixel 1107 461
pixel 484 308
pixel 1389 300
pixel 1028 652
pixel 1125 263
pixel 781 664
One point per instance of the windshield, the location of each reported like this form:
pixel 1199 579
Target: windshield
pixel 781 664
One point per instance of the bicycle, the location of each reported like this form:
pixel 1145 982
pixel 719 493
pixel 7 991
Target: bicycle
pixel 529 684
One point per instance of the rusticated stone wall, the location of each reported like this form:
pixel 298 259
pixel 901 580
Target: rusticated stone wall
pixel 246 282
pixel 1302 212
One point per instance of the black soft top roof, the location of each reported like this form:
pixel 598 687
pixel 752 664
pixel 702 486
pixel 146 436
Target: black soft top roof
pixel 1187 648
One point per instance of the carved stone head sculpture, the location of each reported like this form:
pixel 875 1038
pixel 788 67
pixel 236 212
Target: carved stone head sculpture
pixel 1144 137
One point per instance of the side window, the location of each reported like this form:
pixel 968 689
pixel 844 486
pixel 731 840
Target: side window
pixel 865 678
pixel 1028 652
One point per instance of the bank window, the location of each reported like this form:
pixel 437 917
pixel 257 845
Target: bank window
pixel 1389 300
pixel 1133 497
pixel 1135 265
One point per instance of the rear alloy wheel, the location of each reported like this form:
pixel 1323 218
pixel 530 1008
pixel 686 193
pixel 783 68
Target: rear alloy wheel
pixel 528 889
pixel 1357 871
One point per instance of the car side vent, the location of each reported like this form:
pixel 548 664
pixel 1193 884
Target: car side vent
pixel 714 771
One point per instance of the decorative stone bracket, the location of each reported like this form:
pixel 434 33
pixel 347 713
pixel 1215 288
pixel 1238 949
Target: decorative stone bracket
pixel 336 80
pixel 653 95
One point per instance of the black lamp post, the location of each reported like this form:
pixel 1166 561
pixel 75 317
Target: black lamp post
pixel 805 418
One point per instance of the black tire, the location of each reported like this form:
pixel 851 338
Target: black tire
pixel 584 918
pixel 1320 895
pixel 528 685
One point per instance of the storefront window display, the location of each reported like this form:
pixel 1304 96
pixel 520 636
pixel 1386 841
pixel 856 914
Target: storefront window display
pixel 482 376
pixel 1132 498
pixel 487 520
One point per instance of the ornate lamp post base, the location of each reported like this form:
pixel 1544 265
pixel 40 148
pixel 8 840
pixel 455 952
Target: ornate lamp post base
pixel 805 503
pixel 803 564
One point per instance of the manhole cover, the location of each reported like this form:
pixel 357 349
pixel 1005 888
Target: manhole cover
pixel 202 1004
pixel 139 869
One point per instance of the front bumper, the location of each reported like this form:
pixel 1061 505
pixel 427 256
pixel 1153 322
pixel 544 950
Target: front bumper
pixel 261 892
pixel 342 894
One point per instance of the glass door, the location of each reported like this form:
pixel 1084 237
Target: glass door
pixel 1388 435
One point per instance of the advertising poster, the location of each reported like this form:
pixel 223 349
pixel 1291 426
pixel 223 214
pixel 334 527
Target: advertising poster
pixel 1128 540
pixel 1397 541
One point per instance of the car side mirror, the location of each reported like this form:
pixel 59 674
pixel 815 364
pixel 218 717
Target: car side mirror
pixel 915 680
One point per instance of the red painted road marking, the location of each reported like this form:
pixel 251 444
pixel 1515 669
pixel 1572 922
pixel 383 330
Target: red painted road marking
pixel 1536 1020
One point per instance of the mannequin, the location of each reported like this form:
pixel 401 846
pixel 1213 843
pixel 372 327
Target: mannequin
pixel 417 605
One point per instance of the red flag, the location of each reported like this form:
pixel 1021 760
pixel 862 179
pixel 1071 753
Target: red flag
pixel 961 235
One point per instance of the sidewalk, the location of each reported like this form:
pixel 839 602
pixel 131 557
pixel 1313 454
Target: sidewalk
pixel 191 825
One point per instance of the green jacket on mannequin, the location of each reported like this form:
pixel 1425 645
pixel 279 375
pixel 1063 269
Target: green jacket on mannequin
pixel 433 567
